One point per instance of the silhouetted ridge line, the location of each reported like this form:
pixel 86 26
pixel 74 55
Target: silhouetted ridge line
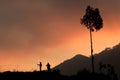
pixel 79 62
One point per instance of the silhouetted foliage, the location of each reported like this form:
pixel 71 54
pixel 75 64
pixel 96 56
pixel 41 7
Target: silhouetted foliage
pixel 45 75
pixel 109 70
pixel 93 21
pixel 86 75
pixel 57 71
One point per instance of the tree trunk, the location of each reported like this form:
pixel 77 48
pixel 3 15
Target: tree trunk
pixel 92 57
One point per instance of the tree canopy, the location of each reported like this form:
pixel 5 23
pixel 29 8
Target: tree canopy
pixel 92 19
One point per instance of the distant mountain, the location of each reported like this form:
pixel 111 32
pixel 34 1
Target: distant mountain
pixel 79 62
pixel 73 65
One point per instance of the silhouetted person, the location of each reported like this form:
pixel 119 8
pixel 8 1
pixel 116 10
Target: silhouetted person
pixel 40 66
pixel 48 67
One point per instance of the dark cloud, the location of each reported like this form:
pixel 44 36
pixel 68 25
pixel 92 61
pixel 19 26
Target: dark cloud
pixel 32 22
pixel 43 22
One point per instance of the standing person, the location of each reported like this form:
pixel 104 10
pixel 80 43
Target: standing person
pixel 48 67
pixel 40 66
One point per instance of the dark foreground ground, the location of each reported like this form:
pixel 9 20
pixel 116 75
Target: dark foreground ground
pixel 83 75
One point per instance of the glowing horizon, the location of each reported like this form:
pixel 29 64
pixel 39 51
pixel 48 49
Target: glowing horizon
pixel 50 31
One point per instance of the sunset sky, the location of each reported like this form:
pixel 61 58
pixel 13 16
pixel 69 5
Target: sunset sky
pixel 50 31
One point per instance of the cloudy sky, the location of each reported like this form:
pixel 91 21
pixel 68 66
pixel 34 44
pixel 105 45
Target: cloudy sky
pixel 50 31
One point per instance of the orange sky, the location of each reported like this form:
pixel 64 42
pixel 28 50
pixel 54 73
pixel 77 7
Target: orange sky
pixel 50 31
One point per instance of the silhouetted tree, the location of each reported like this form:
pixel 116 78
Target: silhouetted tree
pixel 93 21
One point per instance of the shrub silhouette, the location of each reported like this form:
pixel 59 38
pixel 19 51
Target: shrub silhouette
pixel 108 70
